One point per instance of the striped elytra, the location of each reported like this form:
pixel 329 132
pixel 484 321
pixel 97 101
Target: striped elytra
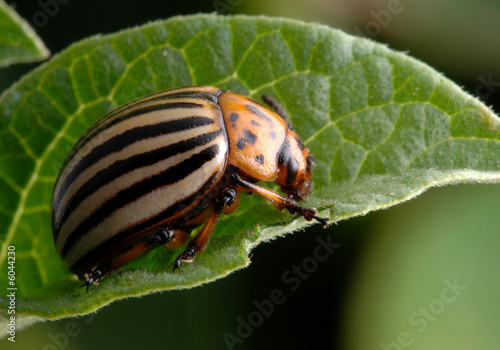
pixel 150 171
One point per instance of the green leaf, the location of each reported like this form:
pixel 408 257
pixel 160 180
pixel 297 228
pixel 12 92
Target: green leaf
pixel 383 127
pixel 18 41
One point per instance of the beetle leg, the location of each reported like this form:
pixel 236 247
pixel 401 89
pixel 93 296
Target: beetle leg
pixel 199 243
pixel 162 237
pixel 281 202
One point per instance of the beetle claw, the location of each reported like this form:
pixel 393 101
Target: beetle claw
pixel 324 221
pixel 87 283
pixel 187 255
pixel 94 277
pixel 309 214
pixel 177 264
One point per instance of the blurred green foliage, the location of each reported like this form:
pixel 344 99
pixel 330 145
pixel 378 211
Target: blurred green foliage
pixel 427 277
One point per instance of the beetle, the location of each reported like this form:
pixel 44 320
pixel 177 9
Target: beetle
pixel 150 171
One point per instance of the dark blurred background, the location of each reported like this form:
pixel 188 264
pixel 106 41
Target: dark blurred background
pixel 421 275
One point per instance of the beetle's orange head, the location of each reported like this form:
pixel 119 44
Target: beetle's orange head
pixel 295 167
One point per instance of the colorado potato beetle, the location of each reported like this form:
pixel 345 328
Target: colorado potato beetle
pixel 150 171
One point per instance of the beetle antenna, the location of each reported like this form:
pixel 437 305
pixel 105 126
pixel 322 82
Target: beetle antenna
pixel 278 108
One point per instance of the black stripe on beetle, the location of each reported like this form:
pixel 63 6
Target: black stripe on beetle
pixel 124 197
pixel 137 112
pixel 127 165
pixel 163 100
pixel 82 262
pixel 188 94
pixel 120 141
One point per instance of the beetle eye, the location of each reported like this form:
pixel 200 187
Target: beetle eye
pixel 293 169
pixel 310 162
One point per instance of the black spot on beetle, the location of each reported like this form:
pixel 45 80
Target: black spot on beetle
pixel 255 123
pixel 240 144
pixel 259 159
pixel 249 137
pixel 300 143
pixel 234 117
pixel 233 125
pixel 273 135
